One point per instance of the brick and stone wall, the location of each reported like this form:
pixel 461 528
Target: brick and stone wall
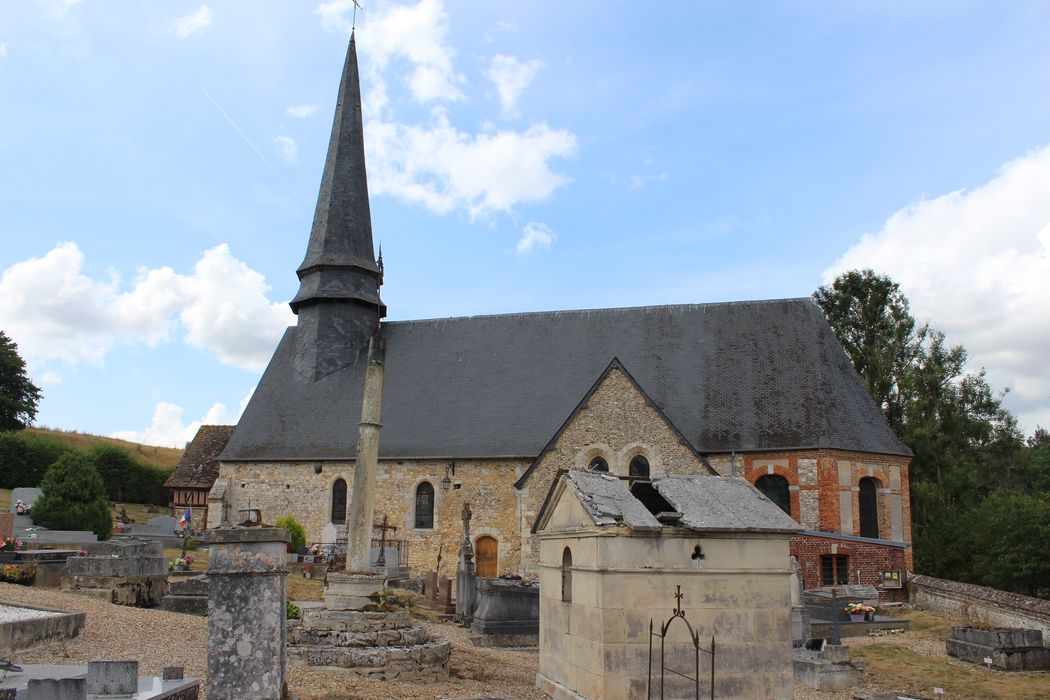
pixel 824 487
pixel 867 561
pixel 985 606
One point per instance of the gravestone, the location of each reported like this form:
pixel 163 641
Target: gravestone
pixel 507 613
pixel 124 571
pixel 187 595
pixel 113 677
pixel 163 523
pixel 1004 648
pixel 246 612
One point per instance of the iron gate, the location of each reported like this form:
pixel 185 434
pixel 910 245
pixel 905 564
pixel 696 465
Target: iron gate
pixel 694 638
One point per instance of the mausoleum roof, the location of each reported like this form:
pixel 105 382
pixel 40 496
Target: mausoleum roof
pixel 723 503
pixel 199 465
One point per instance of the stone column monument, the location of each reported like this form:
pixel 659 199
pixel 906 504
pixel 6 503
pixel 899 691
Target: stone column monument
pixel 465 589
pixel 246 612
pixel 350 589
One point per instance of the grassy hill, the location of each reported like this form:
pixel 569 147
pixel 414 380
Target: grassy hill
pixel 162 457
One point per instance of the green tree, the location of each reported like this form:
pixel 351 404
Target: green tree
pixel 295 531
pixel 74 497
pixel 18 395
pixel 967 446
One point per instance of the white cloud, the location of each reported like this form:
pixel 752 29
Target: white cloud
pixel 59 314
pixel 286 147
pixel 50 378
pixel 506 26
pixel 414 33
pixel 445 169
pixel 3 49
pixel 190 24
pixel 511 77
pixel 534 237
pixel 168 430
pixel 976 264
pixel 436 164
pixel 301 111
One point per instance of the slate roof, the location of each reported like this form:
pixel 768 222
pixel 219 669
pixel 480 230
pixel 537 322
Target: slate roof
pixel 743 376
pixel 608 502
pixel 199 465
pixel 707 503
pixel 723 503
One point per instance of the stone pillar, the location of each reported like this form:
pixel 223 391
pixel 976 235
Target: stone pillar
pixel 465 574
pixel 247 595
pixel 350 590
pixel 362 504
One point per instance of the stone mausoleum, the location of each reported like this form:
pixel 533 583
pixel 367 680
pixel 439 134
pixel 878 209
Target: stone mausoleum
pixel 615 559
pixel 484 410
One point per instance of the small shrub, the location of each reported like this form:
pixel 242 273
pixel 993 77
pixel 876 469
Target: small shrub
pixel 293 611
pixel 295 530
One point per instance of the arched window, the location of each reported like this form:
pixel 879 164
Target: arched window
pixel 869 507
pixel 598 464
pixel 339 502
pixel 639 467
pixel 775 488
pixel 425 506
pixel 566 575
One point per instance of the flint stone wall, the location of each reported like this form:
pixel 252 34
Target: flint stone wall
pixel 985 606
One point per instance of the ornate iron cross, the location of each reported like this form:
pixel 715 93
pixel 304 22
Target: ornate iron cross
pixel 383 527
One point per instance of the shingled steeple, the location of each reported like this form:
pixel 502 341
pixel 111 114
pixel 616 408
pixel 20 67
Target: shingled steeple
pixel 338 301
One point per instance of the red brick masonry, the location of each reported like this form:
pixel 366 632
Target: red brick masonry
pixel 867 560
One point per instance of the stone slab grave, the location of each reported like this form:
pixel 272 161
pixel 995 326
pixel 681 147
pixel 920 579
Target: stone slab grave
pixel 24 626
pixel 188 595
pixel 34 536
pixel 161 528
pixel 506 614
pixel 827 667
pixel 1004 648
pixel 97 680
pixel 125 572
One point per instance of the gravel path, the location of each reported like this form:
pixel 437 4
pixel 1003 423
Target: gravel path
pixel 158 639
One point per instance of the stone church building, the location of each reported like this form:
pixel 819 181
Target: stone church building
pixel 486 409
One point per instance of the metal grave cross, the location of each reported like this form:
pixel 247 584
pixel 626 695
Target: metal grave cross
pixel 383 527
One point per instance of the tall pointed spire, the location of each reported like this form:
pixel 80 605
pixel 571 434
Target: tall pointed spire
pixel 340 261
pixel 338 301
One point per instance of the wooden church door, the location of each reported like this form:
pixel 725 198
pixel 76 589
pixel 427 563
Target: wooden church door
pixel 486 554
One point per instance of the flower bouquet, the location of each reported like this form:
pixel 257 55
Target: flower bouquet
pixel 181 564
pixel 860 611
pixel 21 507
pixel 10 544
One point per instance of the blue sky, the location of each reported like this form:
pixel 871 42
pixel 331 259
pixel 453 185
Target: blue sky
pixel 159 164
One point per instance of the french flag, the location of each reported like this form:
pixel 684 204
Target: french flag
pixel 185 519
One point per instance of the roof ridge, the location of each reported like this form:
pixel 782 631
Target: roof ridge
pixel 610 309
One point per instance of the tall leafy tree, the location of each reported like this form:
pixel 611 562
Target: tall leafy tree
pixel 970 458
pixel 18 395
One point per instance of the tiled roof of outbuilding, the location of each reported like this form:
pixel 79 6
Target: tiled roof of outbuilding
pixel 741 376
pixel 199 465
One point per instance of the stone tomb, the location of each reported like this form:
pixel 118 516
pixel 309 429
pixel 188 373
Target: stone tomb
pixel 97 680
pixel 124 572
pixel 613 559
pixel 1004 648
pixel 187 594
pixel 506 614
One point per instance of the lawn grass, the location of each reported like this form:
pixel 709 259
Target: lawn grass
pixel 300 588
pixel 898 667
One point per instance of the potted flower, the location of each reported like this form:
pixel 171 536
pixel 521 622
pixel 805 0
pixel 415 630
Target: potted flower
pixel 859 612
pixel 22 508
